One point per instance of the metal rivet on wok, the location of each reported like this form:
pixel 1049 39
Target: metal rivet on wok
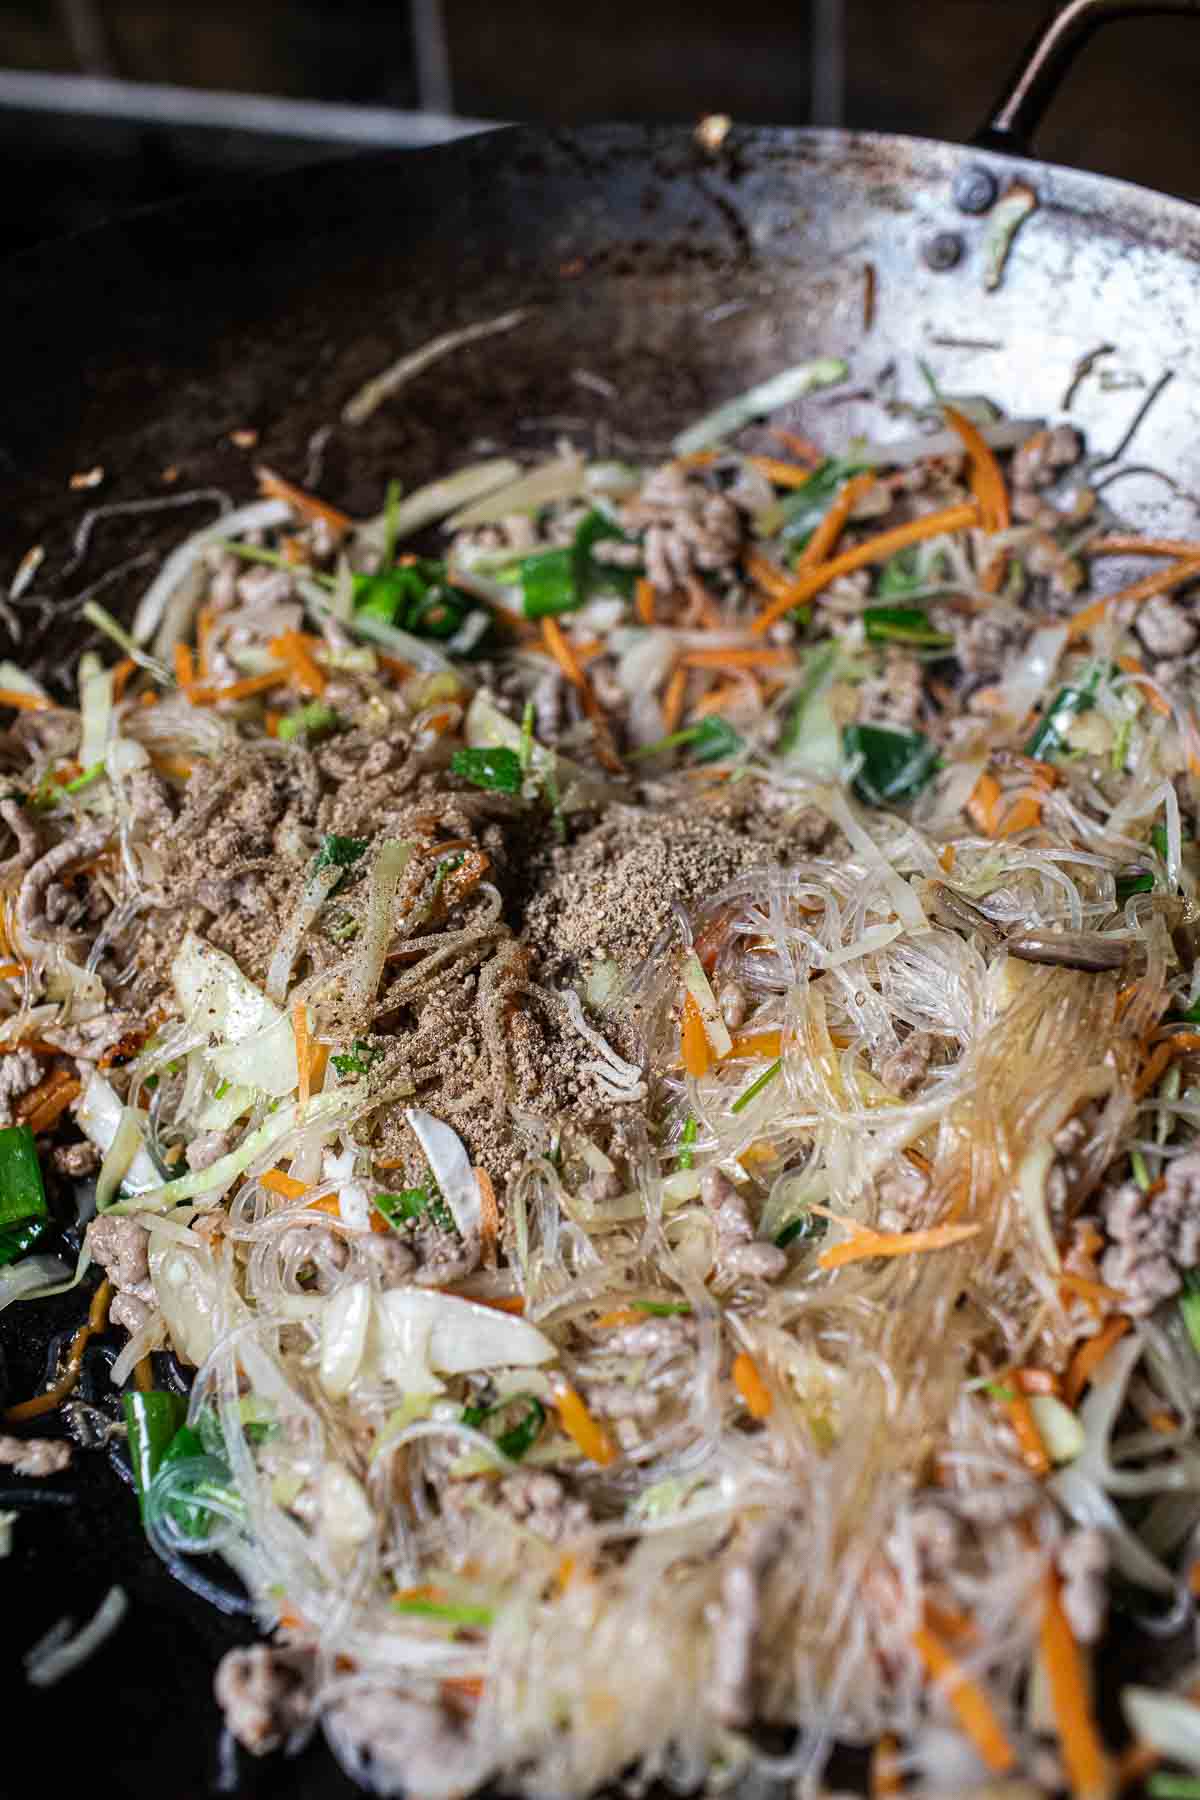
pixel 974 188
pixel 943 250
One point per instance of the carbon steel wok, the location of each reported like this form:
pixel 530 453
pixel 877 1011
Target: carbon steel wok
pixel 676 274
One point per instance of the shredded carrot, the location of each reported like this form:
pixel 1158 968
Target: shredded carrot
pixel 52 1108
pixel 37 1097
pixel 730 693
pixel 307 505
pixel 880 548
pixel 505 1303
pixel 185 666
pixel 769 576
pixel 206 620
pixel 150 698
pixel 329 1204
pixel 1029 1438
pixel 1154 700
pixel 592 1437
pixel 1024 813
pixel 318 1062
pixel 946 859
pixel 238 690
pixel 992 579
pixel 970 1704
pixel 303 1051
pixel 643 600
pixel 884 1777
pixel 1087 1765
pixel 950 1624
pixel 822 543
pixel 987 483
pixel 863 1242
pixel 1163 1421
pixel 464 1687
pixel 768 1044
pixel 1117 543
pixel 120 676
pixel 1161 582
pixel 751 1386
pixel 673 698
pixel 738 659
pixel 9 969
pixel 179 767
pixel 983 807
pixel 1089 1356
pixel 290 1621
pixel 43 1403
pixel 392 665
pixel 1181 1043
pixel 292 648
pixel 279 1182
pixel 489 1209
pixel 694 1039
pixel 24 702
pixel 143 1374
pixel 556 642
pixel 780 473
pixel 620 1315
pixel 800 447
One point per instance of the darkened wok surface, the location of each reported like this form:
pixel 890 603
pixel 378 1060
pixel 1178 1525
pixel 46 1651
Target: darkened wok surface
pixel 676 275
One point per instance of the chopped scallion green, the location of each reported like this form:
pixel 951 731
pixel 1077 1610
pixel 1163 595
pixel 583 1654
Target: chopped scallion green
pixel 756 1087
pixel 22 1193
pixel 497 768
pixel 895 766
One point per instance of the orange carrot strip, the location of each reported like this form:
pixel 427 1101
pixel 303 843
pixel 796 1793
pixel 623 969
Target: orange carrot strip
pixel 1022 815
pixel 730 693
pixel 392 665
pixel 29 1103
pixel 180 767
pixel 946 859
pixel 120 676
pixel 1089 1356
pixel 864 1242
pixel 329 1204
pixel 780 473
pixel 1090 1290
pixel 489 1208
pixel 1118 543
pixel 592 1437
pixel 505 1303
pixel 983 807
pixel 1029 1438
pixel 801 447
pixel 51 1110
pixel 971 1705
pixel 987 483
pixel 318 1061
pixel 24 702
pixel 238 690
pixel 738 659
pixel 44 1403
pixel 768 575
pixel 1179 1044
pixel 1161 582
pixel 751 1386
pixel 706 606
pixel 643 600
pixel 556 642
pixel 307 505
pixel 185 666
pixel 279 1182
pixel 673 699
pixel 11 968
pixel 292 649
pixel 821 544
pixel 694 1039
pixel 1150 695
pixel 884 1776
pixel 768 1044
pixel 1088 1769
pixel 1163 1421
pixel 620 1315
pixel 300 1028
pixel 880 548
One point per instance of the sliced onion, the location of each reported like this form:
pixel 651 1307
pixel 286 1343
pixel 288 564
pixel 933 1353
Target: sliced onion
pixel 258 516
pixel 187 1287
pixel 259 1047
pixel 1166 1722
pixel 908 907
pixel 1059 1428
pixel 1030 674
pixel 390 863
pixel 420 1331
pixel 29 1277
pixel 559 479
pixel 1001 434
pixel 99 1116
pixel 344 1326
pixel 447 1157
pixel 434 501
pixel 13 677
pixel 313 897
pixel 700 988
pixel 150 1336
pixel 49 1662
pixel 373 393
pixel 344 1511
pixel 118 1158
pixel 1083 1501
pixel 757 401
pixel 95 709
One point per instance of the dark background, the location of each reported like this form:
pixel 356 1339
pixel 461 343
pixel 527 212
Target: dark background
pixel 924 66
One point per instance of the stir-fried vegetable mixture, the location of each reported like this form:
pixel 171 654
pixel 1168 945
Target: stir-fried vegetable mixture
pixel 642 1055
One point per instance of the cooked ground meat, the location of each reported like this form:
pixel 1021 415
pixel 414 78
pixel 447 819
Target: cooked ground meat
pixel 740 1253
pixel 35 1456
pixel 264 1693
pixel 1164 627
pixel 1153 1239
pixel 20 1073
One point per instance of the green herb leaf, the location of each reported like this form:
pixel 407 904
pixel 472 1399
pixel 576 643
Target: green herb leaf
pixel 1158 837
pixel 899 576
pixel 1173 1787
pixel 339 852
pixel 896 764
pixel 497 768
pixel 711 740
pixel 358 1059
pixel 904 625
pixel 313 720
pixel 804 1226
pixel 999 1390
pixel 22 1193
pixel 415 597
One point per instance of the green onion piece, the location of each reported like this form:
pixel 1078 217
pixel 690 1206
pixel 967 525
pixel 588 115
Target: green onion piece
pixel 691 1131
pixel 339 852
pixel 358 1059
pixel 904 625
pixel 86 780
pixel 1141 1173
pixel 401 1209
pixel 756 1087
pixel 185 1445
pixel 496 768
pixel 15 1240
pixel 562 580
pixel 798 516
pixel 711 740
pixel 662 1309
pixel 416 597
pixel 436 1609
pixel 1128 885
pixel 22 1194
pixel 314 720
pixel 899 576
pixel 1120 749
pixel 1173 1787
pixel 151 1421
pixel 1189 1305
pixel 805 1225
pixel 1067 704
pixel 522 1436
pixel 999 1390
pixel 896 764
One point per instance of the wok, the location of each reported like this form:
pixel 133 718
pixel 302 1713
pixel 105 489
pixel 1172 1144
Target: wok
pixel 676 274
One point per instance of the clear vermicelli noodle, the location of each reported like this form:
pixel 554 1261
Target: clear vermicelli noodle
pixel 642 1058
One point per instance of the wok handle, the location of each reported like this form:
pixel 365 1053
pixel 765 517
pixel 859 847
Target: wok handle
pixel 1036 80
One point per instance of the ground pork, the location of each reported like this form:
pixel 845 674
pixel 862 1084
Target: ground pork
pixel 402 1745
pixel 905 1068
pixel 20 1073
pixel 1041 458
pixel 1164 628
pixel 120 1246
pixel 1153 1239
pixel 688 527
pixel 35 1456
pixel 740 1254
pixel 264 1693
